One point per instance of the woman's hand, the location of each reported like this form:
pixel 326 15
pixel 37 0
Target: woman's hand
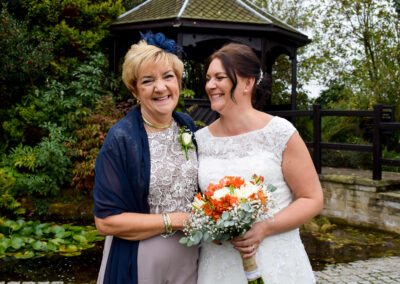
pixel 249 243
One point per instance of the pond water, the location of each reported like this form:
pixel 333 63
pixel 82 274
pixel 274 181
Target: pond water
pixel 337 244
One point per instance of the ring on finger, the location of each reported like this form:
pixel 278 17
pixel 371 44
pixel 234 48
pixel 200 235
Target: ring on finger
pixel 252 247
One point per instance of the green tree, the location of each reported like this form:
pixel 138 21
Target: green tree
pixel 79 26
pixel 358 43
pixel 24 59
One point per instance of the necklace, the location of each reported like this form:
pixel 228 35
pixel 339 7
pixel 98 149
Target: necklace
pixel 158 126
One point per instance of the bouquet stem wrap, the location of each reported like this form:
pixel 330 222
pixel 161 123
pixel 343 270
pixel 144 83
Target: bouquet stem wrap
pixel 253 273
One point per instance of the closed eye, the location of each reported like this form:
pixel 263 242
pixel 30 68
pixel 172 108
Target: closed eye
pixel 147 81
pixel 169 76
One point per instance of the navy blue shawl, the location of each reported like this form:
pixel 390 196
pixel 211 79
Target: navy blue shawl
pixel 122 185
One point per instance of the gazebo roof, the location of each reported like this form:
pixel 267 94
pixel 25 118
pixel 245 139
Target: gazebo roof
pixel 232 11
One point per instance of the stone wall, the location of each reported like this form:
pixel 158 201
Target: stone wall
pixel 362 201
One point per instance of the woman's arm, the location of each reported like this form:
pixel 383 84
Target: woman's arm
pixel 300 175
pixel 137 226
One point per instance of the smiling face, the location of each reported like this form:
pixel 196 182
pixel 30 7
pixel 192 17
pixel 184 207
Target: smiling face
pixel 157 88
pixel 218 86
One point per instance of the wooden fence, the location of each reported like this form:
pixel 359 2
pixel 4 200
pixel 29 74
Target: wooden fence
pixel 380 125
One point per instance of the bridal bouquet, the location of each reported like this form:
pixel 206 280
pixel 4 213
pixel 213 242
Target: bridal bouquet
pixel 227 210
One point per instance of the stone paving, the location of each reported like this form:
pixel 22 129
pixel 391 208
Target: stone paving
pixel 376 271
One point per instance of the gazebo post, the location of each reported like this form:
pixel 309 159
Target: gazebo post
pixel 294 80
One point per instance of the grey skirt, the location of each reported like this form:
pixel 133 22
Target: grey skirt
pixel 161 261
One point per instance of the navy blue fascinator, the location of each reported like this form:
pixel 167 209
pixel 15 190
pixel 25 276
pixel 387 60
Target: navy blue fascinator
pixel 159 40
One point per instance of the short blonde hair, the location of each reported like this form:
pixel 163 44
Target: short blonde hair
pixel 141 54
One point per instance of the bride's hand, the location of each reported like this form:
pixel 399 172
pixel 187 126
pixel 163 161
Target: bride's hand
pixel 249 243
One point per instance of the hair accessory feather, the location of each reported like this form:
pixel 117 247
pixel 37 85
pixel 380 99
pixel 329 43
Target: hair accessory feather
pixel 159 40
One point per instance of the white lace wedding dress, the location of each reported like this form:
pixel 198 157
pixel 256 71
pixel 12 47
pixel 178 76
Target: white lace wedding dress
pixel 281 258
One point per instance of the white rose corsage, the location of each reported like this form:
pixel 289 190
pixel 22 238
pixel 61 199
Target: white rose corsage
pixel 185 137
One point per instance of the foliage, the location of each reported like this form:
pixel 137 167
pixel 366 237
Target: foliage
pixel 282 85
pixel 79 26
pixel 25 239
pixel 192 77
pixel 184 94
pixel 396 5
pixel 90 138
pixel 7 201
pixel 65 104
pixel 390 154
pixel 329 97
pixel 24 59
pixel 39 171
pixel 357 43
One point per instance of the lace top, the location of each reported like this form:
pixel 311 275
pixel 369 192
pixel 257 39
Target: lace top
pixel 256 152
pixel 281 258
pixel 173 179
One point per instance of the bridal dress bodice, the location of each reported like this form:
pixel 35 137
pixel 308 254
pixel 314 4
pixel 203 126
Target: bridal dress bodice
pixel 281 258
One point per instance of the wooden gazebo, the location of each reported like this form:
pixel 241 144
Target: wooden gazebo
pixel 201 27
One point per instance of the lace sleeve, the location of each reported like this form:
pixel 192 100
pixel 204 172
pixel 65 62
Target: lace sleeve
pixel 282 131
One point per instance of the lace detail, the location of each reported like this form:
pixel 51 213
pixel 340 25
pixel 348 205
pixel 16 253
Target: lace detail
pixel 281 258
pixel 173 179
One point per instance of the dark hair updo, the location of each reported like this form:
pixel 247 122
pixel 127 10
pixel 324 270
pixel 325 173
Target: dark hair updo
pixel 240 59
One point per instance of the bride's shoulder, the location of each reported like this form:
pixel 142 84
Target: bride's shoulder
pixel 277 122
pixel 202 132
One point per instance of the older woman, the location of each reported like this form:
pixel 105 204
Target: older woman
pixel 144 180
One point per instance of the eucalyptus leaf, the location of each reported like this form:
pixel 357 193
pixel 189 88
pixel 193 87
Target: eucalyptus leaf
pixel 206 236
pixel 220 223
pixel 229 223
pixel 271 187
pixel 226 215
pixel 183 240
pixel 197 237
pixel 245 207
pixel 225 237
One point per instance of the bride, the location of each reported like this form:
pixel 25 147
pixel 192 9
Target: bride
pixel 243 142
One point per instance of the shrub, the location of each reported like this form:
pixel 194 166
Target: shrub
pixel 90 138
pixel 25 57
pixel 40 171
pixel 7 201
pixel 79 26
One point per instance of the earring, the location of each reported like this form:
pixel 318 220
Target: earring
pixel 137 100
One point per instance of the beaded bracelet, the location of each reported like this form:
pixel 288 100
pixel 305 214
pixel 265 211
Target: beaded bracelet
pixel 167 225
